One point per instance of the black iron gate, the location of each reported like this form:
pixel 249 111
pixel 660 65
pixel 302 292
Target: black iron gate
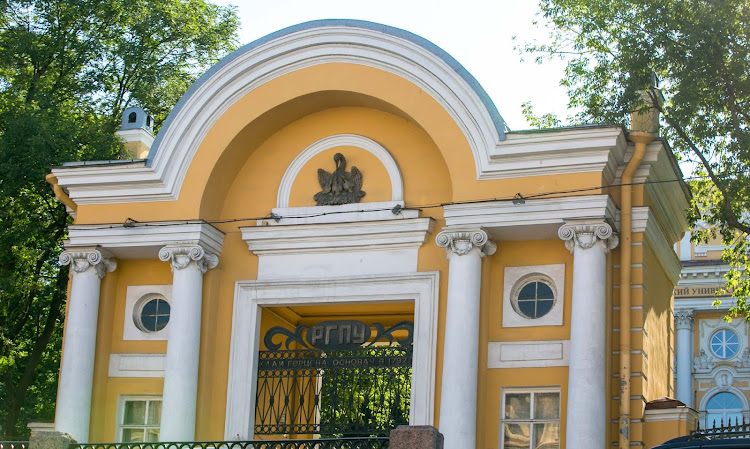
pixel 335 378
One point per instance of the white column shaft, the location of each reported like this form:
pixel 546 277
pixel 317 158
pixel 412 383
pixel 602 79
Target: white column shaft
pixel 586 383
pixel 458 398
pixel 183 350
pixel 685 365
pixel 73 407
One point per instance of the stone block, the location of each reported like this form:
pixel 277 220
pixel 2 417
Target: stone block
pixel 50 440
pixel 415 437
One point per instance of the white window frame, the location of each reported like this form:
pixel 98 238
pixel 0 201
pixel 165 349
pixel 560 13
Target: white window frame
pixel 531 391
pixel 135 298
pixel 121 412
pixel 515 277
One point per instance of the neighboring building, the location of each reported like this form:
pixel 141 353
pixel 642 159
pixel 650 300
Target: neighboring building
pixel 341 183
pixel 712 355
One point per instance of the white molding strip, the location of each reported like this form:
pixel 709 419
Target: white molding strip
pixel 340 140
pixel 528 354
pixel 137 365
pixel 251 296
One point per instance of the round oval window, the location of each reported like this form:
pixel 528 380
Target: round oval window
pixel 725 343
pixel 535 299
pixel 154 315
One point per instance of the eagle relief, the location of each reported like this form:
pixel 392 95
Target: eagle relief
pixel 339 187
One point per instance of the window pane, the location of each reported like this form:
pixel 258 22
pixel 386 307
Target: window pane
pixel 528 308
pixel 547 405
pixel 150 307
pixel 543 307
pixel 516 436
pixel 154 413
pixel 528 291
pixel 132 435
pixel 135 413
pixel 163 308
pixel 161 322
pixel 544 291
pixel 517 406
pixel 152 434
pixel 546 436
pixel 149 322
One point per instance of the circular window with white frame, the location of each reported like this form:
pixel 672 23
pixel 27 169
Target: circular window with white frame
pixel 151 313
pixel 534 296
pixel 725 343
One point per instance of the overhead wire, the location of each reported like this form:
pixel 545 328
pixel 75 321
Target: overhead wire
pixel 518 197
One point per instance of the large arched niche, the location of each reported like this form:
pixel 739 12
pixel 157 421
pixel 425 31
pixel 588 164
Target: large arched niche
pixel 246 181
pixel 393 65
pixel 262 111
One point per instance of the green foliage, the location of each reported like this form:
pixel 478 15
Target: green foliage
pixel 68 68
pixel 539 121
pixel 699 50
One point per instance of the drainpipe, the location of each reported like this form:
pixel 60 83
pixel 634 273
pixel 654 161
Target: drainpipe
pixel 626 237
pixel 644 123
pixel 60 193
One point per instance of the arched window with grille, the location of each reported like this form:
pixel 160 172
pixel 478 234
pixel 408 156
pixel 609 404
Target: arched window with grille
pixel 722 408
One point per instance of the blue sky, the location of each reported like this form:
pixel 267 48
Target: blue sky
pixel 479 34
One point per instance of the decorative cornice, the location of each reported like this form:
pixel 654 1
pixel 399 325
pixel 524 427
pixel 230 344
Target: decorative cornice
pixel 144 240
pixel 463 242
pixel 84 259
pixel 586 235
pixel 534 219
pixel 684 319
pixel 337 237
pixel 181 256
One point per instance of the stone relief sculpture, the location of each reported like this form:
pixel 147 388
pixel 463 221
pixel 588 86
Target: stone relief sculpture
pixel 744 361
pixel 339 187
pixel 703 362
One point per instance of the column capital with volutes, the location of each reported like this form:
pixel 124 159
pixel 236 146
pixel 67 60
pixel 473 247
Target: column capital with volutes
pixel 684 319
pixel 462 242
pixel 183 255
pixel 84 259
pixel 586 235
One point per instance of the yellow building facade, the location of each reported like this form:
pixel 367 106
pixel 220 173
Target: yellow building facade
pixel 340 178
pixel 712 368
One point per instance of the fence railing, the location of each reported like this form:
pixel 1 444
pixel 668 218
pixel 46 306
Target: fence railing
pixel 728 430
pixel 322 443
pixel 14 445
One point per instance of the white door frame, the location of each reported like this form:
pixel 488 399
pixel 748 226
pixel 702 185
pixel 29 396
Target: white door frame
pixel 251 296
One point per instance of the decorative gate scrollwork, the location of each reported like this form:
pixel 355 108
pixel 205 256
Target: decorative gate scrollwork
pixel 335 378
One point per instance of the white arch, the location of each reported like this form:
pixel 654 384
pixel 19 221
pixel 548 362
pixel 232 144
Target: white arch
pixel 339 140
pixel 372 45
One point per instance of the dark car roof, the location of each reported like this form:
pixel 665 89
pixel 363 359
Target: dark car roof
pixel 729 440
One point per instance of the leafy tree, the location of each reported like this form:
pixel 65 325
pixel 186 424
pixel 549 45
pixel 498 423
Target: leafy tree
pixel 68 68
pixel 700 51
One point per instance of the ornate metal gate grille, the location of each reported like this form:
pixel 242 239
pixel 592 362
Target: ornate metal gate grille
pixel 343 383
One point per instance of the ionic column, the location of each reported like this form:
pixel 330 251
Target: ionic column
pixel 587 402
pixel 189 264
pixel 683 320
pixel 87 268
pixel 458 398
